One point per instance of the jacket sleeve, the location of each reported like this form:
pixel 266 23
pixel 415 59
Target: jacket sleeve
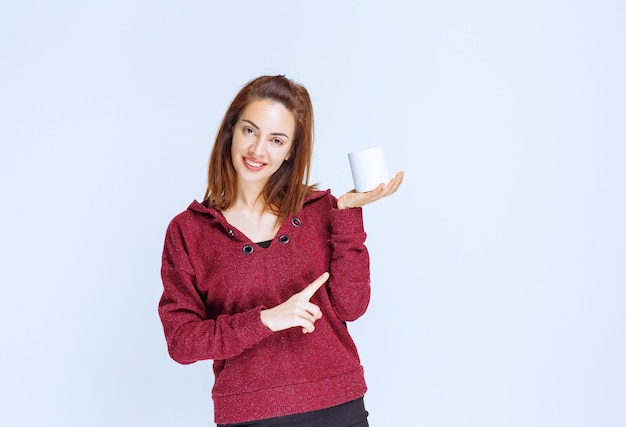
pixel 349 285
pixel 190 335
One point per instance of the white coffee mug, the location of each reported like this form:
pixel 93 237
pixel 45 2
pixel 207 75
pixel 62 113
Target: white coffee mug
pixel 369 168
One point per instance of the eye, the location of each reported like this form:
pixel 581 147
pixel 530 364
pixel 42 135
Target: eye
pixel 278 141
pixel 248 131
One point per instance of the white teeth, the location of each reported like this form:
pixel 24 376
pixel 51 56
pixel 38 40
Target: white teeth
pixel 254 164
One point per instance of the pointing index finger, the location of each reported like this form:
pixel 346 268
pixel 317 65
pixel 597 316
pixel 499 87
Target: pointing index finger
pixel 310 290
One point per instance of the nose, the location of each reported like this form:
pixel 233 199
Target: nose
pixel 257 148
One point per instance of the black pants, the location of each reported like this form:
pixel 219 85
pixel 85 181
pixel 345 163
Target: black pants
pixel 350 414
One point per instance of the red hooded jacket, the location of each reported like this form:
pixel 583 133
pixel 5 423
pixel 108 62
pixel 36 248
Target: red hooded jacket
pixel 216 282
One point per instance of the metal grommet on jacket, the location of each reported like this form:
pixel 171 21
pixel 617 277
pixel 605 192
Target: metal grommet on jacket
pixel 296 221
pixel 247 249
pixel 283 239
pixel 231 233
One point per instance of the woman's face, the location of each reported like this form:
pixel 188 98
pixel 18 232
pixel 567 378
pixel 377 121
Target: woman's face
pixel 262 141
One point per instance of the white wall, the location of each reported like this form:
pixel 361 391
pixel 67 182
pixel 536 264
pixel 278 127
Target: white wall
pixel 498 269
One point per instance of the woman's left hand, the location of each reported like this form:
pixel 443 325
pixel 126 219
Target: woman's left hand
pixel 352 199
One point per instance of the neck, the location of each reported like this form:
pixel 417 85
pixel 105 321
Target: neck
pixel 250 199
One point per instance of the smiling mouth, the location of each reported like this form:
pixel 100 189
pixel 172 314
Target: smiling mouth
pixel 252 163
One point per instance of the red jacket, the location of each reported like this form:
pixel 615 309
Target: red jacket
pixel 216 282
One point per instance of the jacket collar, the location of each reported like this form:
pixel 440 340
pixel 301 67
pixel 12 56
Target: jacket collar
pixel 203 208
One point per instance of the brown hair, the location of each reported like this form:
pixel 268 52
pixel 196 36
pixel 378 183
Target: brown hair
pixel 286 189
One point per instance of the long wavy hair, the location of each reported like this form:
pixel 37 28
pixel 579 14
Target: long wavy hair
pixel 286 189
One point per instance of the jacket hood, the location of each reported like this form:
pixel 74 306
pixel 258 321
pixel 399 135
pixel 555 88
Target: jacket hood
pixel 199 207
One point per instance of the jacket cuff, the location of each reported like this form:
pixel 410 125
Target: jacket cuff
pixel 252 329
pixel 347 220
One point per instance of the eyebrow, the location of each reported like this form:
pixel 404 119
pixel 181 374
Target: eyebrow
pixel 258 128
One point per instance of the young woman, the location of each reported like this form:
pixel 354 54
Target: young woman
pixel 262 276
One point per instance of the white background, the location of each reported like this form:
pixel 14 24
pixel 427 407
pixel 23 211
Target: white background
pixel 498 269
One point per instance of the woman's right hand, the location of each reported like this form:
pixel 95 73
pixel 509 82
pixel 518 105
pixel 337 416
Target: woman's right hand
pixel 297 310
